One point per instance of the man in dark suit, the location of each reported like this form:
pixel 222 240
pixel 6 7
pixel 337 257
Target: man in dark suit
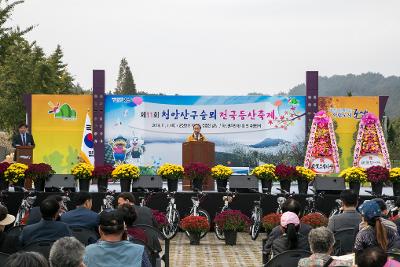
pixel 144 216
pixel 82 216
pixel 48 228
pixel 22 138
pixel 34 214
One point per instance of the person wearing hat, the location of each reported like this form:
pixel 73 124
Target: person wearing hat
pixel 291 238
pixel 384 217
pixel 7 243
pixel 113 249
pixel 375 233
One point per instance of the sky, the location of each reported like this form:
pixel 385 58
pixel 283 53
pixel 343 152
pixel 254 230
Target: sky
pixel 217 47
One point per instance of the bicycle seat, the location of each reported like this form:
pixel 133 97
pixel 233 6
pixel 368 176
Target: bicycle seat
pixel 309 199
pixel 195 198
pixel 257 202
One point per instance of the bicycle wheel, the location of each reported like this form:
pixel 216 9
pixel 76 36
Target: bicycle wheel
pixel 202 213
pixel 170 230
pixel 219 233
pixel 255 230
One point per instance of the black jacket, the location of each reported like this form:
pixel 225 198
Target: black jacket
pixel 17 140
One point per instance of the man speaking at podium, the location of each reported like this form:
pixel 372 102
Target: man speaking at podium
pixel 196 136
pixel 22 138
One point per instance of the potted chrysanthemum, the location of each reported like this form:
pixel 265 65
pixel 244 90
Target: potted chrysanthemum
pixel 266 174
pixel 125 173
pixel 354 176
pixel 270 221
pixel 304 176
pixel 39 173
pixel 231 222
pixel 377 176
pixel 83 172
pixel 197 172
pixel 3 182
pixel 315 220
pixel 286 174
pixel 172 173
pixel 102 173
pixel 221 174
pixel 15 174
pixel 195 226
pixel 394 177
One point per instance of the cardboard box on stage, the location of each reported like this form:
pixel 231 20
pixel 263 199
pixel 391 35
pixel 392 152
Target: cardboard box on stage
pixel 203 152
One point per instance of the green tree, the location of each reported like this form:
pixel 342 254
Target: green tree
pixel 125 82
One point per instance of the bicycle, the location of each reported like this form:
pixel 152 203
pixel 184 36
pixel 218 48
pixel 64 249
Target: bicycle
pixel 64 202
pixel 197 211
pixel 310 206
pixel 173 218
pixel 283 199
pixel 256 218
pixel 228 198
pixel 26 205
pixel 108 201
pixel 147 195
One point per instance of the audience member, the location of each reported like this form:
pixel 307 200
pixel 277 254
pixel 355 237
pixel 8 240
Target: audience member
pixel 291 205
pixel 375 233
pixel 375 257
pixel 67 252
pixel 47 228
pixel 7 243
pixel 384 214
pixel 144 216
pixel 350 218
pixel 34 214
pixel 26 259
pixel 291 238
pixel 129 214
pixel 321 242
pixel 113 249
pixel 82 216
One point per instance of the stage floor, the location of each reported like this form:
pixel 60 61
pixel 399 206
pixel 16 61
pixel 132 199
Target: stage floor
pixel 214 252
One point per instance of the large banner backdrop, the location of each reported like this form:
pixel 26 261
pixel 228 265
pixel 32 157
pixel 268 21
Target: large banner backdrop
pixel 149 130
pixel 58 122
pixel 347 112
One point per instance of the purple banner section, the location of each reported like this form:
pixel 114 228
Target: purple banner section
pixel 28 108
pixel 311 97
pixel 382 105
pixel 98 116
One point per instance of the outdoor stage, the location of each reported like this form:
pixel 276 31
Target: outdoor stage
pixel 212 202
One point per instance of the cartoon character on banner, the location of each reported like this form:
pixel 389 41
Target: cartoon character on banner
pixel 120 148
pixel 136 149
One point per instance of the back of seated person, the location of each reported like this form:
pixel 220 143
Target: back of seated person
pixel 48 228
pixel 26 259
pixel 291 205
pixel 7 243
pixel 291 239
pixel 34 214
pixel 374 257
pixel 82 216
pixel 129 214
pixel 350 218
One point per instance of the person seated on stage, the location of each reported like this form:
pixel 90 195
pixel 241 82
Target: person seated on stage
pixel 144 215
pixel 113 249
pixel 350 218
pixel 196 135
pixel 67 251
pixel 375 257
pixel 321 242
pixel 375 233
pixel 129 213
pixel 48 228
pixel 82 216
pixel 7 243
pixel 35 215
pixel 289 205
pixel 290 239
pixel 26 259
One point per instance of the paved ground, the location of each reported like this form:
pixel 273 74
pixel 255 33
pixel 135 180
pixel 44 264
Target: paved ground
pixel 214 252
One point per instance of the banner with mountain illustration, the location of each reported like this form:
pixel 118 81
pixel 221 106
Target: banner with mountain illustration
pixel 149 130
pixel 58 122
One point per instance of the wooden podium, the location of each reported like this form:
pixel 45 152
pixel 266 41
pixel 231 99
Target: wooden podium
pixel 203 152
pixel 24 154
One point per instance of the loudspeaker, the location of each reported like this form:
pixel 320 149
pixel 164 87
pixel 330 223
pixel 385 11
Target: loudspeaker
pixel 242 182
pixel 329 185
pixel 153 182
pixel 58 181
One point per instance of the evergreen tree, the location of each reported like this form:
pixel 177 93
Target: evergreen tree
pixel 125 82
